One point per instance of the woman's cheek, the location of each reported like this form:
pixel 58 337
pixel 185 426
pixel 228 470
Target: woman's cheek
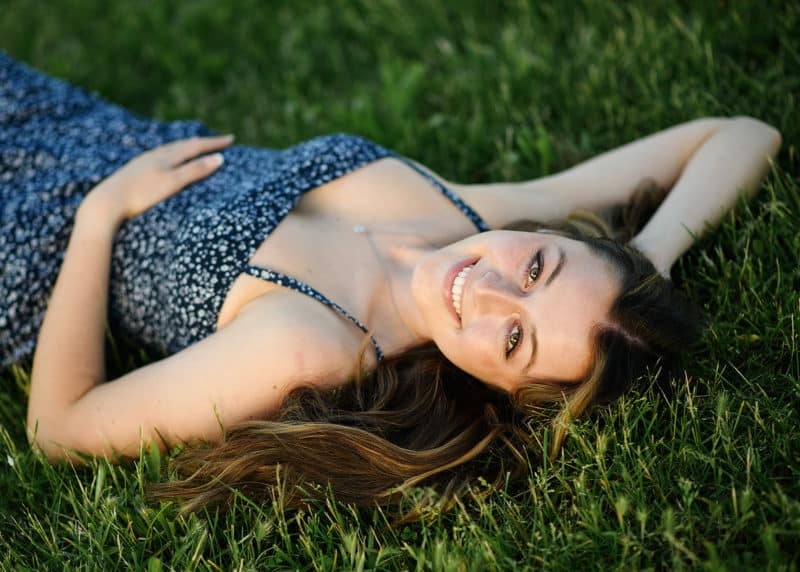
pixel 475 355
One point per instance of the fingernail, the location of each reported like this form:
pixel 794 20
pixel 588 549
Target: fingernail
pixel 217 159
pixel 229 136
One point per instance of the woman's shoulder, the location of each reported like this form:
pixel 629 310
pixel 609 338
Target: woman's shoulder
pixel 321 345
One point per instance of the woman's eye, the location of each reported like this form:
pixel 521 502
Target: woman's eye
pixel 536 268
pixel 512 340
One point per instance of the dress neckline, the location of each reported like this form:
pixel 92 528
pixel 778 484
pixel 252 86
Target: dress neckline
pixel 292 283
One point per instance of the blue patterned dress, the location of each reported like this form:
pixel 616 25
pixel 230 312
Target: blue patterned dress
pixel 173 264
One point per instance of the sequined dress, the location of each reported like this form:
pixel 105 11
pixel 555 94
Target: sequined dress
pixel 172 265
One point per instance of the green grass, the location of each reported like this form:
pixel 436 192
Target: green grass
pixel 706 479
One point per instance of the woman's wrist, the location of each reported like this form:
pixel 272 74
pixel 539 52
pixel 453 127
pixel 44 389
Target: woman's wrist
pixel 96 213
pixel 652 253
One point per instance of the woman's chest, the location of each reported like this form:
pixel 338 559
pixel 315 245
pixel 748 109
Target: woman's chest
pixel 316 244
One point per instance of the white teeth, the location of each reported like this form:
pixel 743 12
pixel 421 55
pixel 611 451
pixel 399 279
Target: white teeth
pixel 458 287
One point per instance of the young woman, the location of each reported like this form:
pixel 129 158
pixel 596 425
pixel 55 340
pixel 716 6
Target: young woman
pixel 332 313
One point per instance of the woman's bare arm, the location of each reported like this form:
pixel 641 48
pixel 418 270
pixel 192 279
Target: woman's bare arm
pixel 241 372
pixel 731 162
pixel 69 357
pixel 609 179
pixel 707 163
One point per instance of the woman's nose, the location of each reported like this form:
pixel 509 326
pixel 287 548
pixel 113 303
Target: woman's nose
pixel 493 292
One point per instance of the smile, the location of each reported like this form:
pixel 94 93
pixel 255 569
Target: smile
pixel 458 287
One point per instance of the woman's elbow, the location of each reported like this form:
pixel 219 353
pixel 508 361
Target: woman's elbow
pixel 770 134
pixel 40 440
pixel 48 436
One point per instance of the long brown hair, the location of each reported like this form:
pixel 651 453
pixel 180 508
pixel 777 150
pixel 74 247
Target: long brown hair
pixel 417 418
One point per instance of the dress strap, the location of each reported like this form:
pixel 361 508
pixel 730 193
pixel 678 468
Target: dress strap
pixel 303 288
pixel 473 216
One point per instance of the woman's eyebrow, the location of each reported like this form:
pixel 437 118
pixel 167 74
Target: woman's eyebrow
pixel 558 267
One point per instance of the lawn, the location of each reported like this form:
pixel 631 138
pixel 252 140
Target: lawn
pixel 706 478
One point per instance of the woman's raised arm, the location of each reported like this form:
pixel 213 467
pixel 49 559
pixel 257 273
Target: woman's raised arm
pixel 611 178
pixel 606 180
pixel 707 163
pixel 730 162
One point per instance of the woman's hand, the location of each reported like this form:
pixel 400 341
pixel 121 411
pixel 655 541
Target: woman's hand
pixel 69 360
pixel 153 176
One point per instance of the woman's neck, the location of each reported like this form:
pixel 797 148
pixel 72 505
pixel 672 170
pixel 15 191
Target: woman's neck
pixel 391 313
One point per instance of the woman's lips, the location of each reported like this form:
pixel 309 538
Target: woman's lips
pixel 447 286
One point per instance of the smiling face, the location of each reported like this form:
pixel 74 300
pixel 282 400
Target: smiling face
pixel 508 306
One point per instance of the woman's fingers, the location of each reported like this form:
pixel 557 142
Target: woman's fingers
pixel 157 174
pixel 195 170
pixel 182 150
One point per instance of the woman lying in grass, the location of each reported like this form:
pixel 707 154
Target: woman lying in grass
pixel 332 313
